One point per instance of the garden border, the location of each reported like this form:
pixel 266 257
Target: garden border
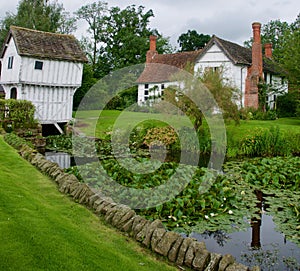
pixel 183 251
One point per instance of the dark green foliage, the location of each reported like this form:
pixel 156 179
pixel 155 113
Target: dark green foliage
pixel 123 99
pixel 119 37
pixel 258 114
pixel 38 15
pixel 15 114
pixel 192 41
pixel 269 173
pixel 16 141
pixel 88 81
pixel 190 206
pixel 288 104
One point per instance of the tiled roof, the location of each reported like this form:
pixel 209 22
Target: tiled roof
pixel 45 45
pixel 164 66
pixel 240 55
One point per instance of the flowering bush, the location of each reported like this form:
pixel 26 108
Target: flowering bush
pixel 160 136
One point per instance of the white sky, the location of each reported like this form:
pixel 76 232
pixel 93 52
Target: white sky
pixel 229 19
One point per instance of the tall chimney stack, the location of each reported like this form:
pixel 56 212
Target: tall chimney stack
pixel 255 71
pixel 268 50
pixel 152 50
pixel 256 50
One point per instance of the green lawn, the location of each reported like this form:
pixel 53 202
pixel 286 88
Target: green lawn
pixel 104 121
pixel 42 229
pixel 248 127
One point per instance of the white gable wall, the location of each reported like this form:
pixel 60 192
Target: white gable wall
pixel 10 75
pixel 234 75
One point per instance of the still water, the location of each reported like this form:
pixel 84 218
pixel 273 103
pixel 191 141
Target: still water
pixel 260 245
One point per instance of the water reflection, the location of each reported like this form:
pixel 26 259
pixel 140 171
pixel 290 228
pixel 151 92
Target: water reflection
pixel 256 221
pixel 66 160
pixel 63 159
pixel 260 244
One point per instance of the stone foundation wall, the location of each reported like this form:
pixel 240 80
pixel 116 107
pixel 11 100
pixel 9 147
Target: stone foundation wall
pixel 151 234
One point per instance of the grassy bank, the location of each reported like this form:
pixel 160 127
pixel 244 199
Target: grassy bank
pixel 42 229
pixel 249 127
pixel 283 131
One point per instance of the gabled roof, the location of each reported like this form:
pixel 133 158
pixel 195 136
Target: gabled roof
pixel 163 66
pixel 238 54
pixel 45 45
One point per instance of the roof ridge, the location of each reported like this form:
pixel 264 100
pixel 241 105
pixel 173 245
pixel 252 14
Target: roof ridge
pixel 12 27
pixel 46 45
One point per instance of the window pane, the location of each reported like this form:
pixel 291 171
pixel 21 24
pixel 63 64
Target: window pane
pixel 38 65
pixel 10 62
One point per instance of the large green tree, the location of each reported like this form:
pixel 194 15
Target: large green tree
pixel 289 54
pixel 95 15
pixel 192 40
pixel 40 15
pixel 117 37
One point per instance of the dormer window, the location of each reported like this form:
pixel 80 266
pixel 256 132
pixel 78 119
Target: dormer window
pixel 10 62
pixel 38 65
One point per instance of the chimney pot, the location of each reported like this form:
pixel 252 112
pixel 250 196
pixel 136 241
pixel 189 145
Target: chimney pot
pixel 268 50
pixel 256 32
pixel 152 50
pixel 153 43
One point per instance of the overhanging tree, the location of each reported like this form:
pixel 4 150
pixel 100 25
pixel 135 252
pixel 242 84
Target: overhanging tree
pixel 39 15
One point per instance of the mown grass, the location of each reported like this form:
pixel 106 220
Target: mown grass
pixel 87 120
pixel 250 127
pixel 42 229
pixel 103 121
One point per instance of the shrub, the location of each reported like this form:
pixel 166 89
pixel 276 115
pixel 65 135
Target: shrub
pixel 160 135
pixel 16 114
pixel 287 104
pixel 257 114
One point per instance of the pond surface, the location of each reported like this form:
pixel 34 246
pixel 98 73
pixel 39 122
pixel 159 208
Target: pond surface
pixel 259 245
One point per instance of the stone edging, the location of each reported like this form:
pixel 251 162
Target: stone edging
pixel 183 251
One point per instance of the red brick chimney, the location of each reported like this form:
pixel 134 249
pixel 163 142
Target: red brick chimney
pixel 256 50
pixel 152 51
pixel 268 50
pixel 255 71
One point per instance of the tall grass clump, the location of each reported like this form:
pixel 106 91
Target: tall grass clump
pixel 266 142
